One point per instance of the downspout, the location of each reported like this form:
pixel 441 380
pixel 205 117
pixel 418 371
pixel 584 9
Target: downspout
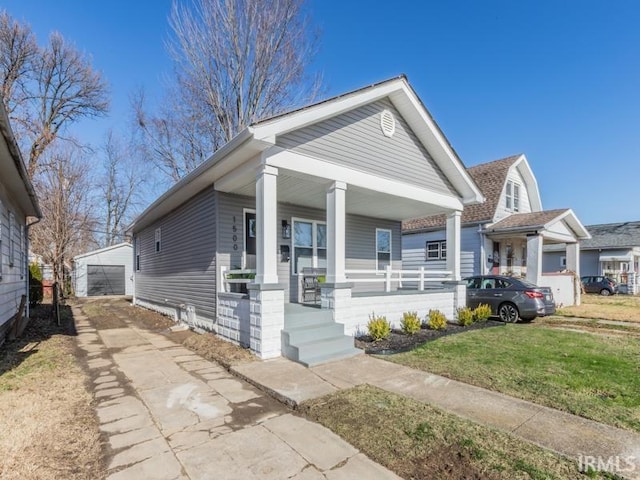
pixel 26 281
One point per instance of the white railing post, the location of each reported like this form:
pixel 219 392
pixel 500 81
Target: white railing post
pixel 421 281
pixel 223 279
pixel 387 278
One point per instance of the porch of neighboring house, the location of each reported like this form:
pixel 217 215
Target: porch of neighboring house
pixel 623 268
pixel 312 283
pixel 514 247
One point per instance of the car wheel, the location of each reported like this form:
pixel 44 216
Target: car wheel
pixel 508 313
pixel 605 292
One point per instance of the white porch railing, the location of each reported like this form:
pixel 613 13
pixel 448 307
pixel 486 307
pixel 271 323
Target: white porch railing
pixel 226 281
pixel 389 276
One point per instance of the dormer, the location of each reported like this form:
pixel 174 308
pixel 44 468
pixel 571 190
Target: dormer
pixel 519 193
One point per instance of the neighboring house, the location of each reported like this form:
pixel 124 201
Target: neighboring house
pixel 613 250
pixel 325 187
pixel 108 271
pixel 17 202
pixel 503 235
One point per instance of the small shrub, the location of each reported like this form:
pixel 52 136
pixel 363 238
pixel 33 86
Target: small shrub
pixel 482 313
pixel 35 271
pixel 410 323
pixel 436 320
pixel 465 316
pixel 379 327
pixel 35 288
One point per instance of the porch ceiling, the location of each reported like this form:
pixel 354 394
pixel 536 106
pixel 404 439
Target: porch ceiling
pixel 310 191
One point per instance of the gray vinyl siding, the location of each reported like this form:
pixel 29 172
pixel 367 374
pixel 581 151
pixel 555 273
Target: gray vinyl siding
pixel 360 240
pixel 184 271
pixel 355 139
pixel 13 281
pixel 551 261
pixel 589 262
pixel 414 251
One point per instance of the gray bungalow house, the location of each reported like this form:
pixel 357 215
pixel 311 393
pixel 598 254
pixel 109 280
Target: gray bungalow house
pixel 505 234
pixel 305 211
pixel 17 202
pixel 613 250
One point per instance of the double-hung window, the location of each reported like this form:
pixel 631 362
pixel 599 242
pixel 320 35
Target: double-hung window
pixel 512 196
pixel 436 250
pixel 383 248
pixel 158 241
pixel 12 240
pixel 309 245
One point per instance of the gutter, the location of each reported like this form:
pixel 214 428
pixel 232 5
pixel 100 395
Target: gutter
pixel 213 160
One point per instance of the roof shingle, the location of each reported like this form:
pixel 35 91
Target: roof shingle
pixel 530 220
pixel 490 178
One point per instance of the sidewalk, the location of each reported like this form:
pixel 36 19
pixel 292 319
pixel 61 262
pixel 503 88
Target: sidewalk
pixel 169 414
pixel 567 434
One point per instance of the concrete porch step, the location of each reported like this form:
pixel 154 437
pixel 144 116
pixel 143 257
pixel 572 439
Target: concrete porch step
pixel 311 337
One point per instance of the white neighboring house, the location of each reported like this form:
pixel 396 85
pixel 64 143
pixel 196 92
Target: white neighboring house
pixel 17 202
pixel 505 234
pixel 108 271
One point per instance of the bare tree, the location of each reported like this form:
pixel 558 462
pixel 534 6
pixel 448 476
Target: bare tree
pixel 119 190
pixel 237 62
pixel 68 223
pixel 18 50
pixel 45 89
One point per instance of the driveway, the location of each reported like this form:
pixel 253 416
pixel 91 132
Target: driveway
pixel 167 413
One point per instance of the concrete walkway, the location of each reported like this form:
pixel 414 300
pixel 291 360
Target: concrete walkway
pixel 570 435
pixel 169 414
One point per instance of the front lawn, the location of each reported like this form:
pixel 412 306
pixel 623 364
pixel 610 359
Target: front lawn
pixel 418 441
pixel 624 308
pixel 594 376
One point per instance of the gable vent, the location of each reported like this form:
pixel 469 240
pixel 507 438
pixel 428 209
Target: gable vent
pixel 387 123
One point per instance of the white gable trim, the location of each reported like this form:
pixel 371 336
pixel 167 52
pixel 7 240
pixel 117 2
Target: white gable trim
pixel 297 162
pixel 410 107
pixel 531 184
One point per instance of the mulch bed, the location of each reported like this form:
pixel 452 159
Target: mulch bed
pixel 399 342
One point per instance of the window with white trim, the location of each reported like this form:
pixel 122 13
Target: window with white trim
pixel 512 196
pixel 12 239
pixel 21 256
pixel 158 242
pixel 436 250
pixel 563 262
pixel 383 248
pixel 309 245
pixel 137 249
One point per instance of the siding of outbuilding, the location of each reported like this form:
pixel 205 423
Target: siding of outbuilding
pixel 13 281
pixel 355 139
pixel 184 271
pixel 414 247
pixel 117 255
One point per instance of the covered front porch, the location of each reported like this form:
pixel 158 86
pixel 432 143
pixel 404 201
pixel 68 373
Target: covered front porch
pixel 514 247
pixel 309 214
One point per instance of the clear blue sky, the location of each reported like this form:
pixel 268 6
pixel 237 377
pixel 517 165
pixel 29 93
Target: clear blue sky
pixel 558 80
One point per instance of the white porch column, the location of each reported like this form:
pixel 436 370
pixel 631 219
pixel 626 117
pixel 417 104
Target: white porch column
pixel 336 233
pixel 266 225
pixel 573 257
pixel 534 258
pixel 453 244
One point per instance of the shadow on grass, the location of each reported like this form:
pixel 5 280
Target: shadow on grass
pixel 42 325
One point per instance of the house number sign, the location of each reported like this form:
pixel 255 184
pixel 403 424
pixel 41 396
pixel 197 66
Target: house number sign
pixel 234 228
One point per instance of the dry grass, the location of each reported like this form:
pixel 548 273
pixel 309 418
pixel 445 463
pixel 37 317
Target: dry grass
pixel 418 441
pixel 623 308
pixel 48 428
pixel 213 348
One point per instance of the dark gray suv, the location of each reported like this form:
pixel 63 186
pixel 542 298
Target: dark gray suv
pixel 511 299
pixel 599 284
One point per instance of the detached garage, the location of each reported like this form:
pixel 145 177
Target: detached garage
pixel 108 271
